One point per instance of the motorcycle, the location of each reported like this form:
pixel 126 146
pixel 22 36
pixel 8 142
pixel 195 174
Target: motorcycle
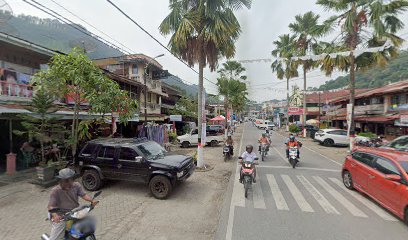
pixel 264 148
pixel 293 159
pixel 247 173
pixel 78 224
pixel 227 152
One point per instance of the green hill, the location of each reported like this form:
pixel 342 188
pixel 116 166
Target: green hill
pixel 396 70
pixel 55 35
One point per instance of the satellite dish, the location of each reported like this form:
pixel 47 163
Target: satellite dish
pixel 5 12
pixel 84 43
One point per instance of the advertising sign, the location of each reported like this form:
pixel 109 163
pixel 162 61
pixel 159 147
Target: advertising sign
pixel 404 119
pixel 175 118
pixel 295 111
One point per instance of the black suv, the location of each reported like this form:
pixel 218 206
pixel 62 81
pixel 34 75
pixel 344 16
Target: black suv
pixel 133 160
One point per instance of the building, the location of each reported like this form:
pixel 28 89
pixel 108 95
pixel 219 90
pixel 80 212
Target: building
pixel 133 68
pixel 168 102
pixel 383 110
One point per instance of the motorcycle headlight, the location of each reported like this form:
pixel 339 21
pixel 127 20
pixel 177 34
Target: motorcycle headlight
pixel 180 174
pixel 247 165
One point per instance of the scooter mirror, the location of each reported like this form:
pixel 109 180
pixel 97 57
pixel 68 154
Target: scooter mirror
pixel 239 157
pixel 256 158
pixel 97 194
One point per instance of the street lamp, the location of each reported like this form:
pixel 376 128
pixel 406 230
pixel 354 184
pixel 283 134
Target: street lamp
pixel 145 87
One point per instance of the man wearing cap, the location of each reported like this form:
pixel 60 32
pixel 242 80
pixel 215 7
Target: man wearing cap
pixel 64 196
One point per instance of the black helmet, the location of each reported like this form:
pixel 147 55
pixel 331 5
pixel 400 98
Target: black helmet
pixel 66 173
pixel 249 147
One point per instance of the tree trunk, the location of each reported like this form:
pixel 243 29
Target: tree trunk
pixel 304 101
pixel 287 104
pixel 200 160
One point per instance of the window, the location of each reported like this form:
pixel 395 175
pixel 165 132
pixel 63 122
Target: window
pixel 127 154
pixel 395 100
pixel 365 158
pixel 400 143
pixel 152 150
pixel 107 152
pixel 149 97
pixel 89 149
pixel 195 131
pixel 157 99
pixel 135 69
pixel 386 166
pixel 336 132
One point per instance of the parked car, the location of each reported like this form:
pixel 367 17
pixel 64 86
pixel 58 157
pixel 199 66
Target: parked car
pixel 217 128
pixel 311 130
pixel 137 160
pixel 213 138
pixel 380 173
pixel 331 137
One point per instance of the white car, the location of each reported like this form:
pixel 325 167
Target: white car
pixel 330 137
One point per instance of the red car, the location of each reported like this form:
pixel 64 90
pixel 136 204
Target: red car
pixel 381 173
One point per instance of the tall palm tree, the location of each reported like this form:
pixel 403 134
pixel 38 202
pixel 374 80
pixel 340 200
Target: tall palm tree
pixel 202 31
pixel 307 29
pixel 285 48
pixel 366 24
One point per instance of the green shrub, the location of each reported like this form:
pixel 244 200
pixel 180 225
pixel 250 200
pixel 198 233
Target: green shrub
pixel 367 134
pixel 294 129
pixel 172 137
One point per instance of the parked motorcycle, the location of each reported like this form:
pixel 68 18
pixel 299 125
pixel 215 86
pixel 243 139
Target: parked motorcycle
pixel 293 159
pixel 227 152
pixel 78 224
pixel 247 173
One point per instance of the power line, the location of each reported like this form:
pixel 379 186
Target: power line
pixel 155 39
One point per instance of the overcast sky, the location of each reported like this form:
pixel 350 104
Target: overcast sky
pixel 261 25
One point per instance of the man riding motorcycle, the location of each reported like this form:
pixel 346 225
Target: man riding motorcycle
pixel 65 197
pixel 264 140
pixel 230 143
pixel 292 142
pixel 248 156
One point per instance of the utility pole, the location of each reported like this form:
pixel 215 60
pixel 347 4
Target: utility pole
pixel 145 87
pixel 319 110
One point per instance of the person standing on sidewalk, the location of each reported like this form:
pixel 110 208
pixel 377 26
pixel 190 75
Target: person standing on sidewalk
pixel 65 197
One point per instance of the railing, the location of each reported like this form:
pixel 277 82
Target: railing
pixel 16 90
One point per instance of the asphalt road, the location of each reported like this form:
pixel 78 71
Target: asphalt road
pixel 308 203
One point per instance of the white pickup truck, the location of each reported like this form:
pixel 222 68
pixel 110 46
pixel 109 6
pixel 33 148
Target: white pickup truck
pixel 189 139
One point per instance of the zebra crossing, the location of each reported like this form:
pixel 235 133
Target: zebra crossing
pixel 313 194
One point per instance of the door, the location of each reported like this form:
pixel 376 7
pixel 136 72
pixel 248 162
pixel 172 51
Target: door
pixel 106 161
pixel 194 136
pixel 384 190
pixel 360 168
pixel 130 168
pixel 343 139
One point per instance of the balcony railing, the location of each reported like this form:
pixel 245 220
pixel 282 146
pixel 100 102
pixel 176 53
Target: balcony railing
pixel 16 90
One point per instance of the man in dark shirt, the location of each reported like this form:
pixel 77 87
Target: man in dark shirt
pixel 65 197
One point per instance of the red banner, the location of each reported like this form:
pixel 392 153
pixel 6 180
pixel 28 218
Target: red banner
pixel 295 111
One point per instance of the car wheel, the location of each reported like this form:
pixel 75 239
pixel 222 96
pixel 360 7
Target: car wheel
pixel 91 180
pixel 160 187
pixel 347 180
pixel 214 143
pixel 185 144
pixel 328 142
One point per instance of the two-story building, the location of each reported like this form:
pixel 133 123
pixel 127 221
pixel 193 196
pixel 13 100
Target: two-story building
pixel 133 68
pixel 381 110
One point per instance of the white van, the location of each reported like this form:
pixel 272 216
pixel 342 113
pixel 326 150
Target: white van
pixel 264 124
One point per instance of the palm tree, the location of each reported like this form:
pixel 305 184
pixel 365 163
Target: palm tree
pixel 284 48
pixel 366 24
pixel 307 30
pixel 202 31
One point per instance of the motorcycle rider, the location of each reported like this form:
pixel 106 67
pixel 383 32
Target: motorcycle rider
pixel 64 196
pixel 264 140
pixel 248 156
pixel 292 142
pixel 230 143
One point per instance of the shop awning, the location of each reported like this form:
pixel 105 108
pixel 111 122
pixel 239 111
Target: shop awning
pixel 218 118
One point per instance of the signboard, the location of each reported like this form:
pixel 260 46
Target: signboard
pixel 326 108
pixel 348 118
pixel 404 119
pixel 175 118
pixel 160 74
pixel 295 111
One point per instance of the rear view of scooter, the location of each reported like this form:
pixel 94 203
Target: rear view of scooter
pixel 79 224
pixel 293 159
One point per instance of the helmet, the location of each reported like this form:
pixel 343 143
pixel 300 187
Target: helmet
pixel 249 147
pixel 263 135
pixel 292 138
pixel 66 173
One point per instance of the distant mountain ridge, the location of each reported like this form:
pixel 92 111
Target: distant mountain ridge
pixel 190 90
pixel 396 70
pixel 55 35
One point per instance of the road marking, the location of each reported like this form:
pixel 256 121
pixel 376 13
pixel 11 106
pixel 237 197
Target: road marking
pixel 235 195
pixel 366 202
pixel 258 197
pixel 297 195
pixel 276 193
pixel 301 168
pixel 340 198
pixel 334 161
pixel 324 203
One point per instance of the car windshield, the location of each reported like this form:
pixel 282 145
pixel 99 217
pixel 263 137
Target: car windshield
pixel 400 143
pixel 152 150
pixel 404 165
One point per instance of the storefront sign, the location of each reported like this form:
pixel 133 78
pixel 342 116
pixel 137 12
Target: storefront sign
pixel 295 111
pixel 404 119
pixel 175 118
pixel 398 123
